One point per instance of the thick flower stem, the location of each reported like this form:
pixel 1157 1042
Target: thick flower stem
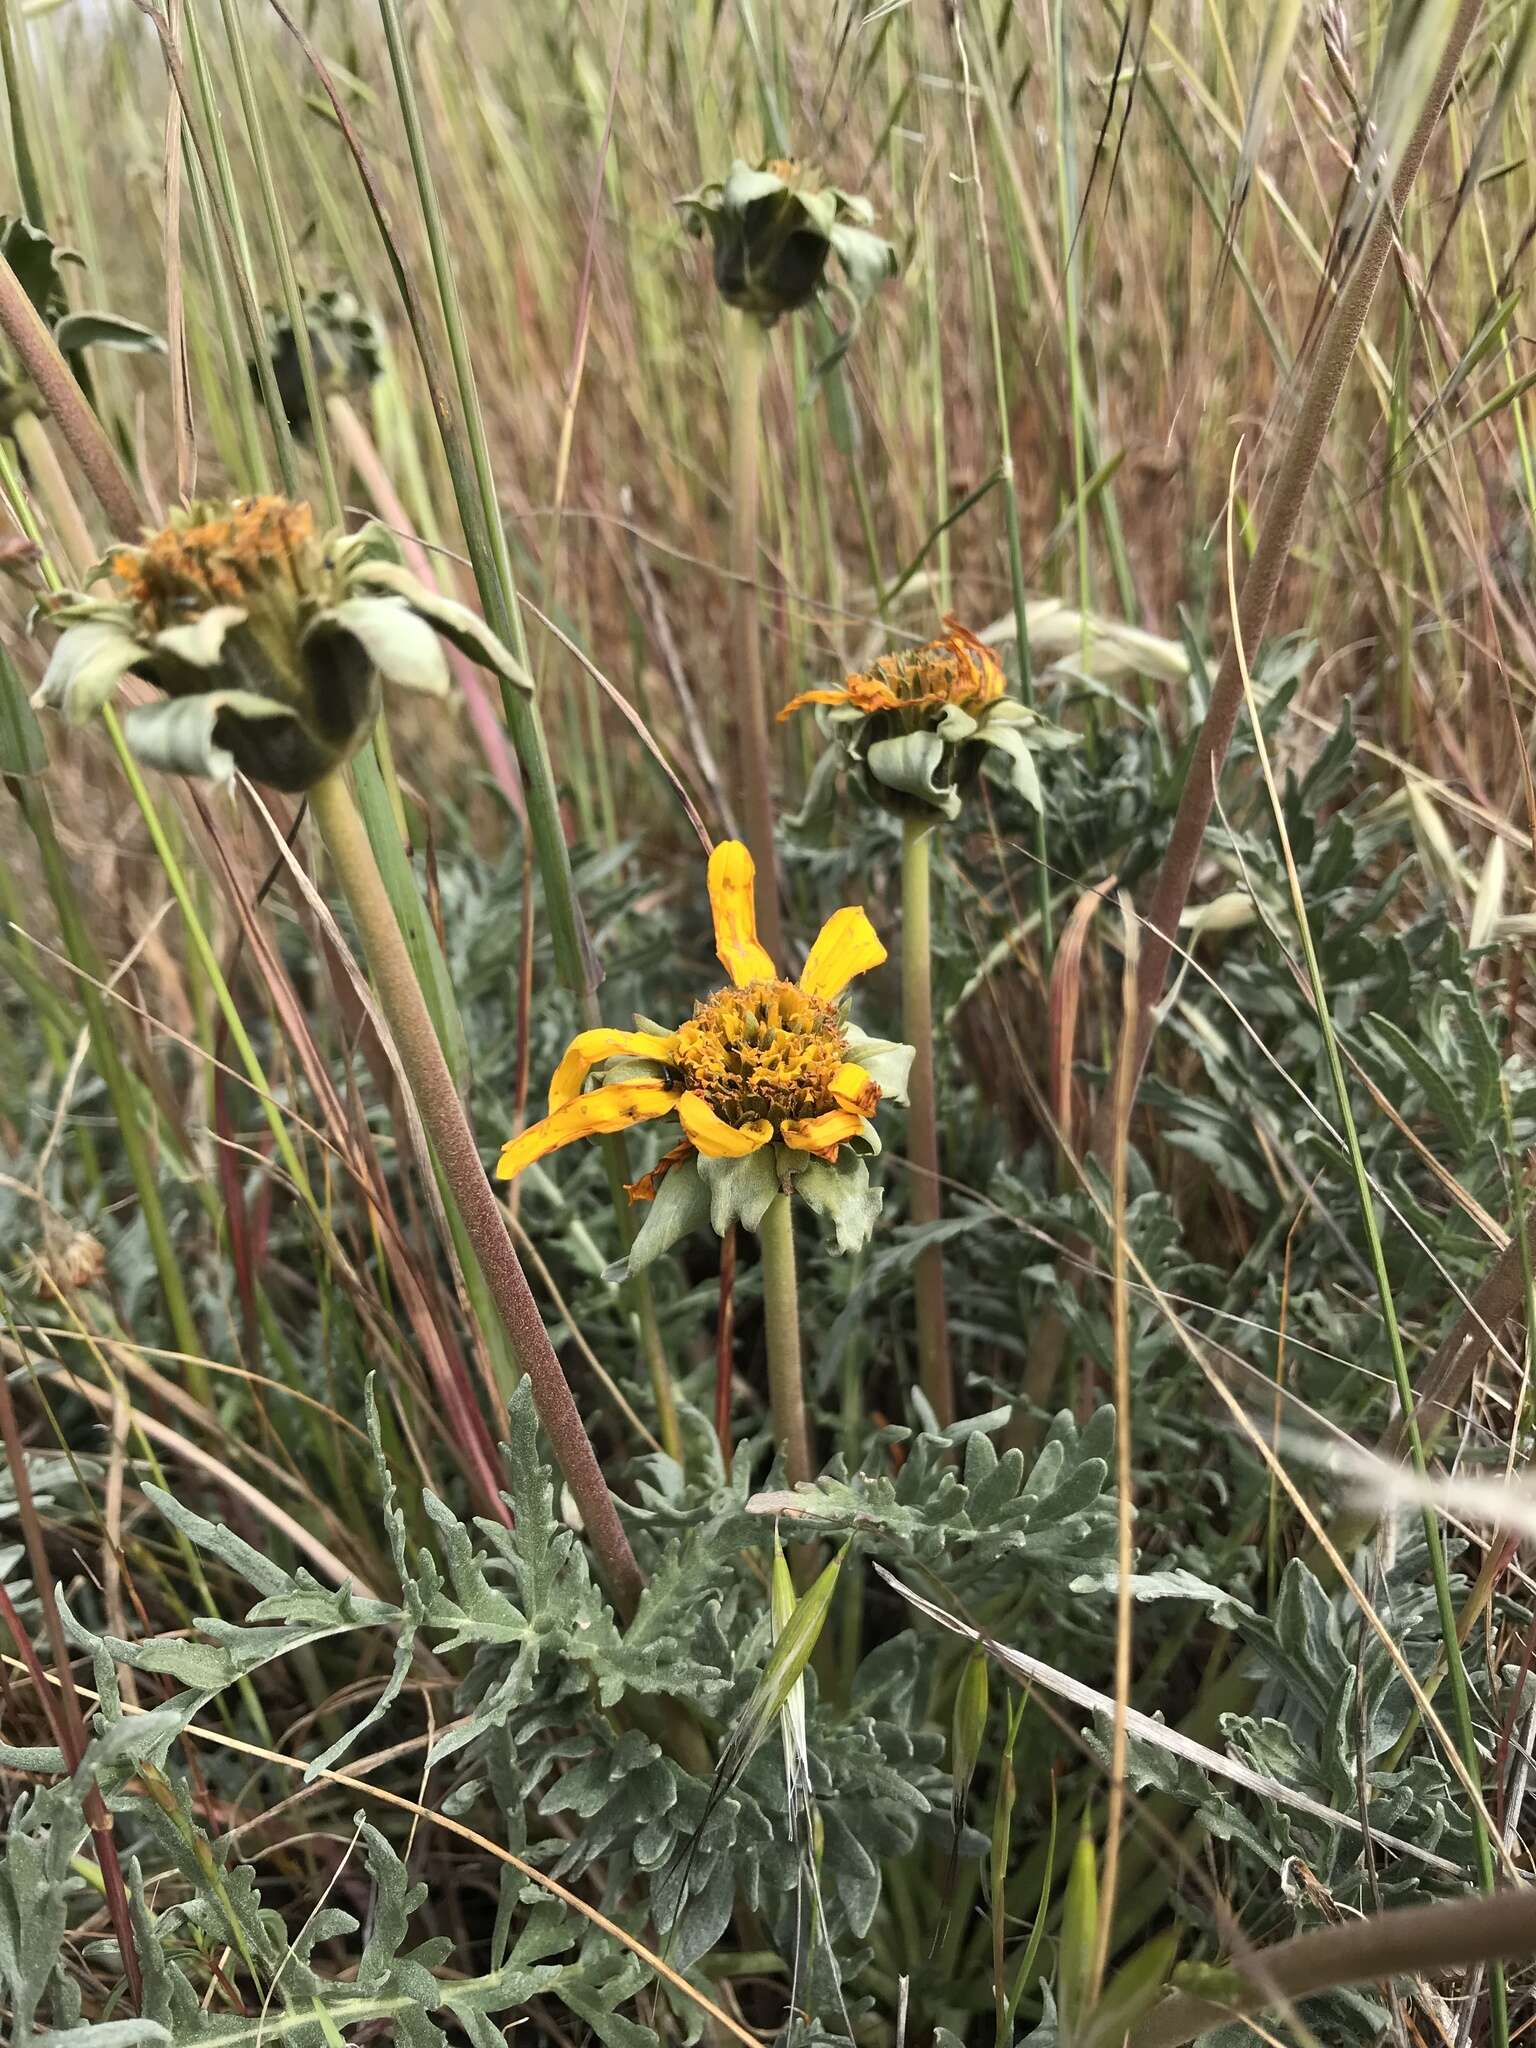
pixel 781 1314
pixel 1413 1941
pixel 754 750
pixel 935 1372
pixel 82 431
pixel 447 1128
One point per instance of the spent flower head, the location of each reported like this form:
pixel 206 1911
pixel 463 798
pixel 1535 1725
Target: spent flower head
pixel 774 1088
pixel 269 638
pixel 775 229
pixel 917 724
pixel 344 340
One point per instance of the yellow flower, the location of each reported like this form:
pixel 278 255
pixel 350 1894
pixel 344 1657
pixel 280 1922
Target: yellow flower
pixel 917 725
pixel 770 1082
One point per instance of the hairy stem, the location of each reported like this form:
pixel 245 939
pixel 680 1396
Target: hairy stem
pixel 452 1140
pixel 1416 1941
pixel 925 1197
pixel 754 751
pixel 781 1314
pixel 82 431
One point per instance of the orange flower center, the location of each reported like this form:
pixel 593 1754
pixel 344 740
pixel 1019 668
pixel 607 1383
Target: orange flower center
pixel 958 670
pixel 216 556
pixel 767 1050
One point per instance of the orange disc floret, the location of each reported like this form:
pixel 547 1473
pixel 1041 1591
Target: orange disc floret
pixel 214 555
pixel 959 669
pixel 766 1050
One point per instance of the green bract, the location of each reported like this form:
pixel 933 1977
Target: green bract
pixel 774 229
pixel 270 641
pixel 344 341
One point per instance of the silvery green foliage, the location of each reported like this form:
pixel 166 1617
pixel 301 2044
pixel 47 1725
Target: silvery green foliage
pixel 535 1732
pixel 983 1524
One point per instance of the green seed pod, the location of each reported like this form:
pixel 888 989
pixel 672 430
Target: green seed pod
pixel 1079 1937
pixel 270 641
pixel 774 230
pixel 968 1727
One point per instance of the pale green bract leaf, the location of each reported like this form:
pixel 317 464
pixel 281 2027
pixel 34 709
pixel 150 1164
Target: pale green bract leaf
pixel 868 260
pixel 740 1190
pixel 679 1207
pixel 1023 774
pixel 909 763
pixel 401 645
pixel 85 669
pixel 843 1196
pixel 887 1063
pixel 743 184
pixel 460 627
pixel 179 736
pixel 106 330
pixel 202 641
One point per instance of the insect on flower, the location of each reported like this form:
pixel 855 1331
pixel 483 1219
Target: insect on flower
pixel 269 639
pixel 774 1088
pixel 917 724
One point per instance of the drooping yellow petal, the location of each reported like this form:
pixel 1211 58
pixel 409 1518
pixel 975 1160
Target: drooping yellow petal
pixel 811 697
pixel 588 1047
pixel 852 1088
pixel 822 1134
pixel 733 902
pixel 846 945
pixel 587 1116
pixel 717 1139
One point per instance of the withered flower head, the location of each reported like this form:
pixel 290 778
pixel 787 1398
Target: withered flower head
pixel 774 229
pixel 269 639
pixel 917 724
pixel 344 341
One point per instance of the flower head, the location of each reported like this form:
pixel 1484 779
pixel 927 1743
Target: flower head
pixel 269 639
pixel 773 1087
pixel 775 227
pixel 916 724
pixel 344 341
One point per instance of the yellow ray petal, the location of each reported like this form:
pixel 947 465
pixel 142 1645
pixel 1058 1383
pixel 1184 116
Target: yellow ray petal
pixel 846 945
pixel 588 1116
pixel 853 1089
pixel 588 1047
pixel 812 697
pixel 822 1134
pixel 717 1139
pixel 732 899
